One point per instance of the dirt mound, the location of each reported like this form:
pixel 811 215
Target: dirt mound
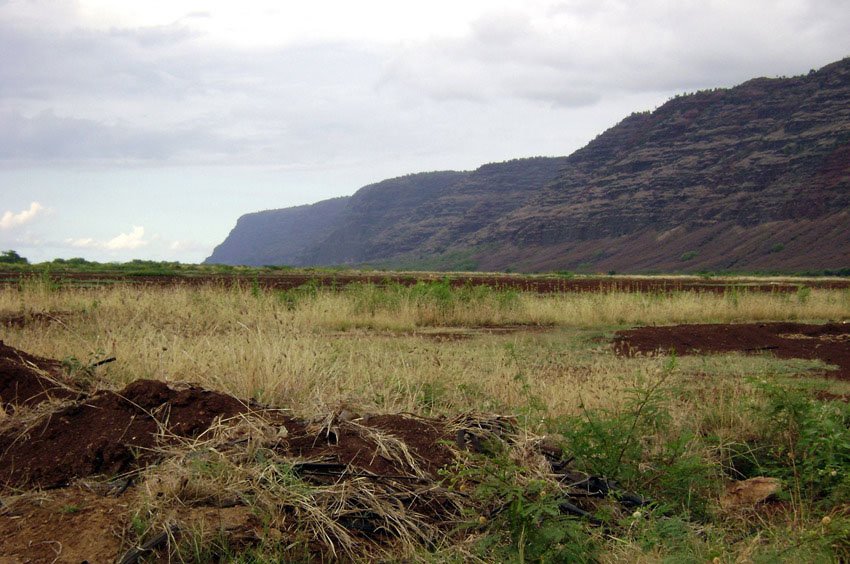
pixel 29 380
pixel 110 433
pixel 384 445
pixel 107 432
pixel 829 342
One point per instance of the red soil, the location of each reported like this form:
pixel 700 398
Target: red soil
pixel 29 380
pixel 829 342
pixel 352 443
pixel 106 432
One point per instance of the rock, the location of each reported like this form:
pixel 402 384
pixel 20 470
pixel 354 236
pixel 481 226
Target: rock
pixel 749 493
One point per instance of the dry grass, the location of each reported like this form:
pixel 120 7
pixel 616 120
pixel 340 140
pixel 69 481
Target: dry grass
pixel 325 348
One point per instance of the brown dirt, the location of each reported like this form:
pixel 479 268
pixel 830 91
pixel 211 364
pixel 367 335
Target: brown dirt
pixel 829 342
pixel 350 443
pixel 464 333
pixel 104 433
pixel 74 525
pixel 64 526
pixel 824 395
pixel 538 284
pixel 28 380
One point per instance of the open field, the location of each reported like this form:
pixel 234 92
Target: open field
pixel 432 421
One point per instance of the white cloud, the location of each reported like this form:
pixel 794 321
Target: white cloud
pixel 577 53
pixel 10 219
pixel 135 239
pixel 187 246
pixel 143 83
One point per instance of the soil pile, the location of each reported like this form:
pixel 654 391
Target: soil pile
pixel 829 342
pixel 105 433
pixel 28 380
pixel 381 445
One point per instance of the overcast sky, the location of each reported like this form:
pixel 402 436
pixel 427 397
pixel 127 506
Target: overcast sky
pixel 145 129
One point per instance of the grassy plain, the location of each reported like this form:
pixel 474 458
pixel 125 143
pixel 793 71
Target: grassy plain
pixel 674 429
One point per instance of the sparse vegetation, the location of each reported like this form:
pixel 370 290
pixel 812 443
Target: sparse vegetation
pixel 689 255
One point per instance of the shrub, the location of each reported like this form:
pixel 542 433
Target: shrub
pixel 12 257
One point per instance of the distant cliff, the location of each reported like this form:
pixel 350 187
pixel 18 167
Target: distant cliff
pixel 278 236
pixel 755 177
pixel 407 218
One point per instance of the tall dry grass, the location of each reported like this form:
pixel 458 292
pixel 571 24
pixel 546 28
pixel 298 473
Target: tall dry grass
pixel 382 349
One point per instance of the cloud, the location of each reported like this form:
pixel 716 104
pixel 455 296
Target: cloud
pixel 577 52
pixel 187 246
pixel 10 219
pixel 135 239
pixel 52 138
pixel 181 93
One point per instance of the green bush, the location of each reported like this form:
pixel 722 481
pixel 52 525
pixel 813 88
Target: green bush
pixel 635 447
pixel 809 442
pixel 12 257
pixel 291 298
pixel 521 515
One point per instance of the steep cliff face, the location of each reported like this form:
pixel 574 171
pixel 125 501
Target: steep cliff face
pixel 754 177
pixel 278 236
pixel 759 161
pixel 407 218
pixel 377 211
pixel 422 214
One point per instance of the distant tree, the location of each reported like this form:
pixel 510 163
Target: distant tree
pixel 12 257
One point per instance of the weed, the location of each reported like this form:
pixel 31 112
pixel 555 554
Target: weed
pixel 255 286
pixel 292 298
pixel 140 522
pixel 41 282
pixel 810 443
pixel 607 442
pixel 521 515
pixel 430 396
pixel 677 539
pixel 532 409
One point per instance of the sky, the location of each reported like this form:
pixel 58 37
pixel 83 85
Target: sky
pixel 145 129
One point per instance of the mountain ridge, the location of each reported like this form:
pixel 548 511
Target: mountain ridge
pixel 756 176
